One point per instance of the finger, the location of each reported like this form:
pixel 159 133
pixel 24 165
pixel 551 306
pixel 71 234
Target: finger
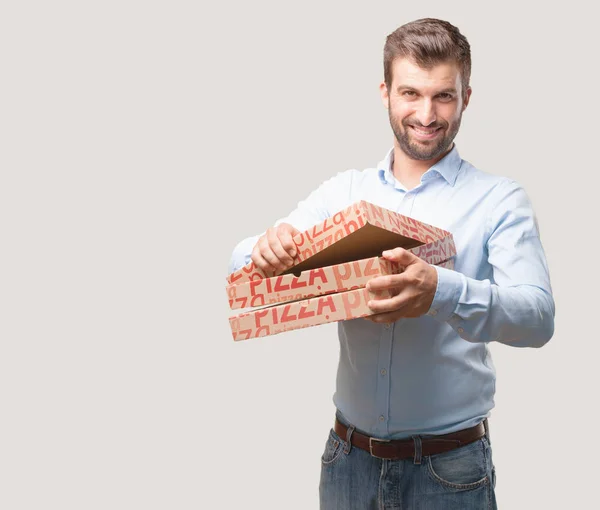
pixel 390 281
pixel 400 256
pixel 278 250
pixel 267 254
pixel 287 242
pixel 387 304
pixel 384 294
pixel 260 261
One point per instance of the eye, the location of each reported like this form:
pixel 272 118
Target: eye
pixel 409 93
pixel 445 96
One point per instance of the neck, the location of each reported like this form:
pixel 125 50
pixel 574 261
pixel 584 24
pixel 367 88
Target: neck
pixel 409 171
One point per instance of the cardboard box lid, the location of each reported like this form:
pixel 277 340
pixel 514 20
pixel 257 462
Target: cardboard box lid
pixel 360 231
pixel 324 280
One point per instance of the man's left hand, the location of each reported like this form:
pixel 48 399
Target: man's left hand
pixel 413 289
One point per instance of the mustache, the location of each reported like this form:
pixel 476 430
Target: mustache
pixel 408 122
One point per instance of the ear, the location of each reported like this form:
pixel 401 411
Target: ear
pixel 467 98
pixel 384 94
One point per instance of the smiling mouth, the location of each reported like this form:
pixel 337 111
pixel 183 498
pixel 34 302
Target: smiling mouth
pixel 425 131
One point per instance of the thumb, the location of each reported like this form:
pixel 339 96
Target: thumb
pixel 400 255
pixel 293 231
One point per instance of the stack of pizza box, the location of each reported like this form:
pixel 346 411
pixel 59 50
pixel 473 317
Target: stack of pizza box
pixel 335 259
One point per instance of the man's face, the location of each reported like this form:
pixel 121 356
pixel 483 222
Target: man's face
pixel 425 107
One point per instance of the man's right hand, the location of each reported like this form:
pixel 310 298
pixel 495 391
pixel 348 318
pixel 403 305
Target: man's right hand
pixel 275 250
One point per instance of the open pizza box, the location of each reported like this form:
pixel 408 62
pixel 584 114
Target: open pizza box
pixel 335 259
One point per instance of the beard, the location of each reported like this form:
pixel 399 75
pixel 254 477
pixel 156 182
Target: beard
pixel 423 150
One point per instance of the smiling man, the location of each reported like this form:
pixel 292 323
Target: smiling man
pixel 415 382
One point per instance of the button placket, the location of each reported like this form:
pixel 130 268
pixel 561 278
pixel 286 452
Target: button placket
pixel 382 398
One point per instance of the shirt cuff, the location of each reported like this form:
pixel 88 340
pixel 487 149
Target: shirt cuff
pixel 447 294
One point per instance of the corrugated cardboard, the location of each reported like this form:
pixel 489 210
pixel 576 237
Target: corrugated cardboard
pixel 329 279
pixel 360 231
pixel 351 304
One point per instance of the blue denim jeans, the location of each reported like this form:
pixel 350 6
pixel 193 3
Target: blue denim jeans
pixel 461 479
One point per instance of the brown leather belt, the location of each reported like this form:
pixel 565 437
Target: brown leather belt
pixel 405 448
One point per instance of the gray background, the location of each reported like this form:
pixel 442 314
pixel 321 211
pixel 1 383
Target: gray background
pixel 140 141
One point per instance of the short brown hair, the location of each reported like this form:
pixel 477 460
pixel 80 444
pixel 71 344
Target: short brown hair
pixel 428 42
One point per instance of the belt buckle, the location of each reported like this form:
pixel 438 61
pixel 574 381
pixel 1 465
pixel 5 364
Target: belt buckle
pixel 371 439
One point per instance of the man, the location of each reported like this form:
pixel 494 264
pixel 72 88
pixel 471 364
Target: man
pixel 415 382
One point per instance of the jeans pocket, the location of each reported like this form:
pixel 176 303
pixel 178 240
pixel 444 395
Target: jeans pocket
pixel 333 448
pixel 463 468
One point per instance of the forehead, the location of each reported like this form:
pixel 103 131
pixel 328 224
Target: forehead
pixel 408 73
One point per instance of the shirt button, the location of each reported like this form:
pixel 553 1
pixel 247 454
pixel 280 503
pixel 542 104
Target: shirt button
pixel 382 418
pixel 433 312
pixel 383 371
pixel 461 330
pixel 387 326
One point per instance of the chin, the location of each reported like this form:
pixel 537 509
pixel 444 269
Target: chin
pixel 424 156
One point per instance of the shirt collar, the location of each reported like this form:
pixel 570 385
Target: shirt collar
pixel 448 167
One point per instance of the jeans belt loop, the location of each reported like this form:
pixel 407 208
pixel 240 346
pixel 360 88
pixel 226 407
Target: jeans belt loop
pixel 487 431
pixel 418 449
pixel 348 445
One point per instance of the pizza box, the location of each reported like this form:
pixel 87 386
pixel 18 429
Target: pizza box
pixel 331 278
pixel 271 320
pixel 359 231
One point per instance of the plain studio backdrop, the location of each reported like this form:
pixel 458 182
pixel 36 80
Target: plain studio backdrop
pixel 140 141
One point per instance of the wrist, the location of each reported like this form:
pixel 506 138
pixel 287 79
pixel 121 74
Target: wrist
pixel 447 293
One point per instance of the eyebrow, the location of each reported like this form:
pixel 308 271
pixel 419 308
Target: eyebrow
pixel 448 90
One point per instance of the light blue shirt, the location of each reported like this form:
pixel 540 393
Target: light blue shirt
pixel 434 374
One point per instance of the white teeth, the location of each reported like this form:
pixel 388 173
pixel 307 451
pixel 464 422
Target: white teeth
pixel 423 132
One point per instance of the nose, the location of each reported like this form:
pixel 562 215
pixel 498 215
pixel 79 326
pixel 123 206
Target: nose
pixel 426 112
